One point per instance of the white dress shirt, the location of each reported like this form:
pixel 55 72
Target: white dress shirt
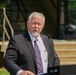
pixel 44 54
pixel 43 51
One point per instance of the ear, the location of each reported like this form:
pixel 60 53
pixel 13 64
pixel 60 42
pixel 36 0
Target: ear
pixel 27 23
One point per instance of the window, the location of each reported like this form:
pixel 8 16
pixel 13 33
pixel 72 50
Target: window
pixel 68 19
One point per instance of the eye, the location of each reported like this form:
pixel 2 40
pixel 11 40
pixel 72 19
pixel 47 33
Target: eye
pixel 39 24
pixel 34 23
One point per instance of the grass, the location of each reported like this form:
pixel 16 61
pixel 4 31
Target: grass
pixel 4 72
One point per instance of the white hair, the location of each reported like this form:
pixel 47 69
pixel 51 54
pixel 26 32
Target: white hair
pixel 36 15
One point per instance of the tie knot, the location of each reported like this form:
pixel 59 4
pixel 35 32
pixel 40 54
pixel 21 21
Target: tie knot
pixel 35 40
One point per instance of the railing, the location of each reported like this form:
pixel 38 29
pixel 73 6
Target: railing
pixel 5 19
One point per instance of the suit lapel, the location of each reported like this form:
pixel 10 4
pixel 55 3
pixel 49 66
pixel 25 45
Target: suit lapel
pixel 48 48
pixel 29 43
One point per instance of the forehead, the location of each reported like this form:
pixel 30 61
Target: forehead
pixel 37 19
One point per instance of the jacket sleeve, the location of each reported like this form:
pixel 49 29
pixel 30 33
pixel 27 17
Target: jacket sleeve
pixel 11 57
pixel 56 58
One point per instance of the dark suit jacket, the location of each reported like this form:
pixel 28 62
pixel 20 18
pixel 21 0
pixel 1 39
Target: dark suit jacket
pixel 20 54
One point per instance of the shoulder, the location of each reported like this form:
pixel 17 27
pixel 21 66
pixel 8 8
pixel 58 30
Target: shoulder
pixel 46 37
pixel 17 37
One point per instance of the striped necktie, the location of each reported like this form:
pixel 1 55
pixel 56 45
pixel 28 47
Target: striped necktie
pixel 38 58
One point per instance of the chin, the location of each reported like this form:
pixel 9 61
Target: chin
pixel 35 34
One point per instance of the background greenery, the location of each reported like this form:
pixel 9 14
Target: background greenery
pixel 3 3
pixel 72 6
pixel 4 72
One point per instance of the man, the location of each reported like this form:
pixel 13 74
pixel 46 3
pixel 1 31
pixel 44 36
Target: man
pixel 21 59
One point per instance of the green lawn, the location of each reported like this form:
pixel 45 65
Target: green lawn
pixel 4 72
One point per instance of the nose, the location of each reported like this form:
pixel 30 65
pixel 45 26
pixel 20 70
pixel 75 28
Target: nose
pixel 36 25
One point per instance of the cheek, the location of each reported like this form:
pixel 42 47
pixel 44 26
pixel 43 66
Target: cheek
pixel 41 27
pixel 29 26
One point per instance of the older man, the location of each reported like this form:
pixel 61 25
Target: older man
pixel 31 53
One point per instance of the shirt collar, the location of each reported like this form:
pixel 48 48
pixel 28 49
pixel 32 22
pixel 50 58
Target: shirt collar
pixel 33 38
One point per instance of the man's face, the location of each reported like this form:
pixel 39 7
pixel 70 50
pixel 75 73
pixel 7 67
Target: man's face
pixel 35 26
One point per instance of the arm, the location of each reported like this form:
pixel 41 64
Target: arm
pixel 11 57
pixel 52 53
pixel 14 58
pixel 56 58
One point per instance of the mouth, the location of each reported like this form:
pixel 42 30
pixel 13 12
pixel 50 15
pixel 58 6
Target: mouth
pixel 36 30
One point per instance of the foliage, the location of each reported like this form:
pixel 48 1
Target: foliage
pixel 4 72
pixel 72 6
pixel 3 3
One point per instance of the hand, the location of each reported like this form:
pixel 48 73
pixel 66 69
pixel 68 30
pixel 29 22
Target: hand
pixel 27 73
